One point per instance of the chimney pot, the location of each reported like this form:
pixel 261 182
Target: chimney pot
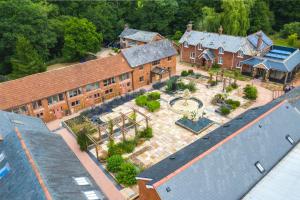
pixel 220 30
pixel 189 27
pixel 126 26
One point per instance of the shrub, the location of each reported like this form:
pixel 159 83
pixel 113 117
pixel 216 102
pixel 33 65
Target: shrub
pixel 184 73
pixel 250 92
pixel 229 88
pixel 141 100
pixel 114 150
pixel 190 72
pixel 218 98
pixel 292 39
pixel 127 174
pixel 290 28
pixel 212 82
pixel 215 66
pixel 114 163
pixel 191 86
pixel 146 133
pixel 234 85
pixel 153 105
pixel 82 139
pixel 126 146
pixel 234 104
pixel 224 110
pixel 153 96
pixel 171 85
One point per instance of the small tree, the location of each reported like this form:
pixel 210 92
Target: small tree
pixel 177 36
pixel 82 139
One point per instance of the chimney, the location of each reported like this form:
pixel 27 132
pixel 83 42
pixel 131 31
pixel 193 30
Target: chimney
pixel 1 138
pixel 189 27
pixel 259 40
pixel 126 26
pixel 220 30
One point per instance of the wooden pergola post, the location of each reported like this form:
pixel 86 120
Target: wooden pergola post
pixel 135 124
pixel 123 127
pixel 97 151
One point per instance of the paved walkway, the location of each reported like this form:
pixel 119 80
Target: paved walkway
pixel 100 178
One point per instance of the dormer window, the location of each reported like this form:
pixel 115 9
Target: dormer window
pixel 199 46
pixel 240 53
pixel 221 50
pixel 186 45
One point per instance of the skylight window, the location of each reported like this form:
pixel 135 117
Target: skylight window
pixel 260 168
pixel 4 171
pixel 82 180
pixel 91 195
pixel 2 156
pixel 288 137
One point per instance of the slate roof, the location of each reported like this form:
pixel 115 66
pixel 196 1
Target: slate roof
pixel 228 42
pixel 138 35
pixel 42 85
pixel 286 64
pixel 56 163
pixel 148 53
pixel 266 41
pixel 283 182
pixel 228 172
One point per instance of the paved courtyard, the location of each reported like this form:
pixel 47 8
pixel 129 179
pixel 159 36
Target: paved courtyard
pixel 167 136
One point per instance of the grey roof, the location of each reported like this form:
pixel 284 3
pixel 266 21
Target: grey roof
pixel 208 54
pixel 266 41
pixel 139 35
pixel 56 163
pixel 148 53
pixel 214 40
pixel 229 172
pixel 283 182
pixel 287 64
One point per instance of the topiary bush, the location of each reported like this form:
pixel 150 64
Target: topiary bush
pixel 224 110
pixel 250 92
pixel 114 163
pixel 153 96
pixel 146 133
pixel 184 73
pixel 153 105
pixel 127 174
pixel 141 100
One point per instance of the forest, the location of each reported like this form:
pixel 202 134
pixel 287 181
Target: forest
pixel 37 33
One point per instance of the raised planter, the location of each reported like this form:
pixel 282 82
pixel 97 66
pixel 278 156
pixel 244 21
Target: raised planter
pixel 195 126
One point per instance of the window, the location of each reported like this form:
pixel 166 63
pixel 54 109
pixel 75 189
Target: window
pixel 109 81
pixel 124 76
pixel 199 46
pixel 186 45
pixel 221 50
pixel 40 115
pixel 56 98
pixel 192 55
pixel 128 84
pixel 75 92
pixel 37 104
pixel 92 195
pixel 96 95
pixel 141 67
pixel 75 103
pixel 2 156
pixel 81 180
pixel 238 64
pixel 220 60
pixel 240 54
pixel 156 62
pixel 169 58
pixel 20 110
pixel 260 168
pixel 288 137
pixel 92 86
pixel 4 170
pixel 108 91
pixel 141 79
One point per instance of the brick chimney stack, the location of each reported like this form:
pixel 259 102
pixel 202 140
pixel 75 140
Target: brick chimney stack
pixel 220 30
pixel 126 26
pixel 189 27
pixel 259 40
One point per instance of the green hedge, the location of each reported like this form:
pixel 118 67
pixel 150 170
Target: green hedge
pixel 153 106
pixel 234 104
pixel 127 174
pixel 153 96
pixel 141 100
pixel 250 92
pixel 224 110
pixel 149 101
pixel 114 163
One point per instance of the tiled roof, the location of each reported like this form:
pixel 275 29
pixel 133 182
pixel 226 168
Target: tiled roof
pixel 139 35
pixel 266 41
pixel 148 53
pixel 57 165
pixel 37 86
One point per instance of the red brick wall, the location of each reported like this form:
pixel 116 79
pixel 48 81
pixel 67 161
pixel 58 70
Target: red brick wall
pixel 145 193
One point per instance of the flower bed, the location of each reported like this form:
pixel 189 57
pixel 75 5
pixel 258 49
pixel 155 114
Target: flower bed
pixel 149 101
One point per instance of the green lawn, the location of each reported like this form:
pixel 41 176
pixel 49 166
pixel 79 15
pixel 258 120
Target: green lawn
pixel 284 42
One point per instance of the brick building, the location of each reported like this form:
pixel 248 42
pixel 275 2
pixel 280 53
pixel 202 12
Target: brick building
pixel 205 48
pixel 53 94
pixel 132 37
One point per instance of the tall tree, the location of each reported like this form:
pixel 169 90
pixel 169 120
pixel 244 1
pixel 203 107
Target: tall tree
pixel 26 18
pixel 210 20
pixel 235 17
pixel 261 18
pixel 26 59
pixel 80 38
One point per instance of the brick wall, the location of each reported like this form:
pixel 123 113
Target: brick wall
pixel 145 193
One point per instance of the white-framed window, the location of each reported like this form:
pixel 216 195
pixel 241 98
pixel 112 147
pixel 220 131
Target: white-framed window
pixel 20 110
pixel 290 139
pixel 75 92
pixel 240 54
pixel 37 104
pixel 156 62
pixel 260 168
pixel 109 81
pixel 221 50
pixel 55 98
pixel 185 44
pixel 75 103
pixel 124 76
pixel 82 180
pixel 199 46
pixel 92 195
pixel 192 55
pixel 238 65
pixel 220 60
pixel 92 86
